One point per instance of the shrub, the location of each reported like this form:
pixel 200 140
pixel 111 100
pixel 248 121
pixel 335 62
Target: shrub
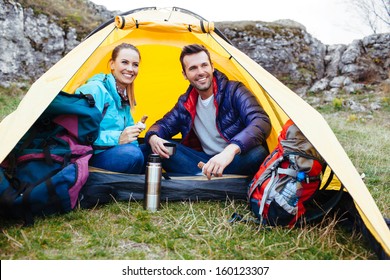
pixel 337 103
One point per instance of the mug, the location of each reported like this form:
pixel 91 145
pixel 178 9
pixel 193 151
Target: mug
pixel 171 148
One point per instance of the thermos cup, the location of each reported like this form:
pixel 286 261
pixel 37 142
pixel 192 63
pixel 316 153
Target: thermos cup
pixel 171 148
pixel 152 183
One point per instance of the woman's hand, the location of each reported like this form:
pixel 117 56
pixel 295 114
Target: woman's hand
pixel 129 134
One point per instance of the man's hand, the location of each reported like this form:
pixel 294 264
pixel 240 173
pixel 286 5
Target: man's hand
pixel 217 164
pixel 157 145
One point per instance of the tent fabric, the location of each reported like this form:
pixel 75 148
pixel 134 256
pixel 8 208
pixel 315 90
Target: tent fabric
pixel 160 34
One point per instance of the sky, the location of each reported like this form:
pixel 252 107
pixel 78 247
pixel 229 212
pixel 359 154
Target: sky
pixel 330 21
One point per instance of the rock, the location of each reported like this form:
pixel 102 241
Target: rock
pixel 37 38
pixel 290 23
pixel 353 88
pixel 337 82
pixel 320 85
pixel 347 81
pixel 352 52
pixel 302 91
pixel 333 59
pixel 329 95
pixel 354 106
pixel 375 106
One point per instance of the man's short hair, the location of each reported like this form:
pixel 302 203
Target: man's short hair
pixel 193 49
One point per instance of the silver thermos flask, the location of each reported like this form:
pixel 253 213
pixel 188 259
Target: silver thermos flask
pixel 152 183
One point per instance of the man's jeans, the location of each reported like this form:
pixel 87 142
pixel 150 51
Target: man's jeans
pixel 185 161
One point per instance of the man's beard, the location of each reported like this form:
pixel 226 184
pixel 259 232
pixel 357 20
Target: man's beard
pixel 203 87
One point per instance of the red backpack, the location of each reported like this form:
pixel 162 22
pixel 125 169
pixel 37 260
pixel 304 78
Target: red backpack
pixel 284 187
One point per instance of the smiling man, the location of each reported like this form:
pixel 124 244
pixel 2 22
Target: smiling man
pixel 221 123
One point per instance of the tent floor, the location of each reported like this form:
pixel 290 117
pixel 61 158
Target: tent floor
pixel 104 187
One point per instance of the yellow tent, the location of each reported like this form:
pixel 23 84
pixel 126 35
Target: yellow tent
pixel 160 34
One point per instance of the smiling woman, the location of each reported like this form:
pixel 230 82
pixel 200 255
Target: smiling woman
pixel 114 96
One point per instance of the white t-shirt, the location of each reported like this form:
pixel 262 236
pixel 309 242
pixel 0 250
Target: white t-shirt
pixel 206 128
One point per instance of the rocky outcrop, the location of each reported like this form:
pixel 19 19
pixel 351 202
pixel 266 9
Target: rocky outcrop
pixel 302 62
pixel 30 43
pixel 284 48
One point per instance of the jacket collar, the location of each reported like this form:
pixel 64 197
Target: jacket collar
pixel 193 95
pixel 110 82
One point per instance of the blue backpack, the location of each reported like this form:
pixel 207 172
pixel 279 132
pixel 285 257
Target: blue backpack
pixel 46 170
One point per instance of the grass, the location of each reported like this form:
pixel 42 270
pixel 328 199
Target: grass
pixel 190 231
pixel 9 99
pixel 367 142
pixel 200 230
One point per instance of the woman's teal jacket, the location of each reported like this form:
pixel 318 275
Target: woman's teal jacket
pixel 116 115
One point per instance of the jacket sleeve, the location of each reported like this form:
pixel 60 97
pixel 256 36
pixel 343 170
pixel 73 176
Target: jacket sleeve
pixel 169 125
pixel 257 125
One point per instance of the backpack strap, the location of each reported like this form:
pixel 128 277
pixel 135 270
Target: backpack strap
pixel 266 193
pixel 238 218
pixel 89 98
pixel 326 207
pixel 288 171
pixel 28 217
pixel 10 169
pixel 294 173
pixel 313 214
pixel 52 197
